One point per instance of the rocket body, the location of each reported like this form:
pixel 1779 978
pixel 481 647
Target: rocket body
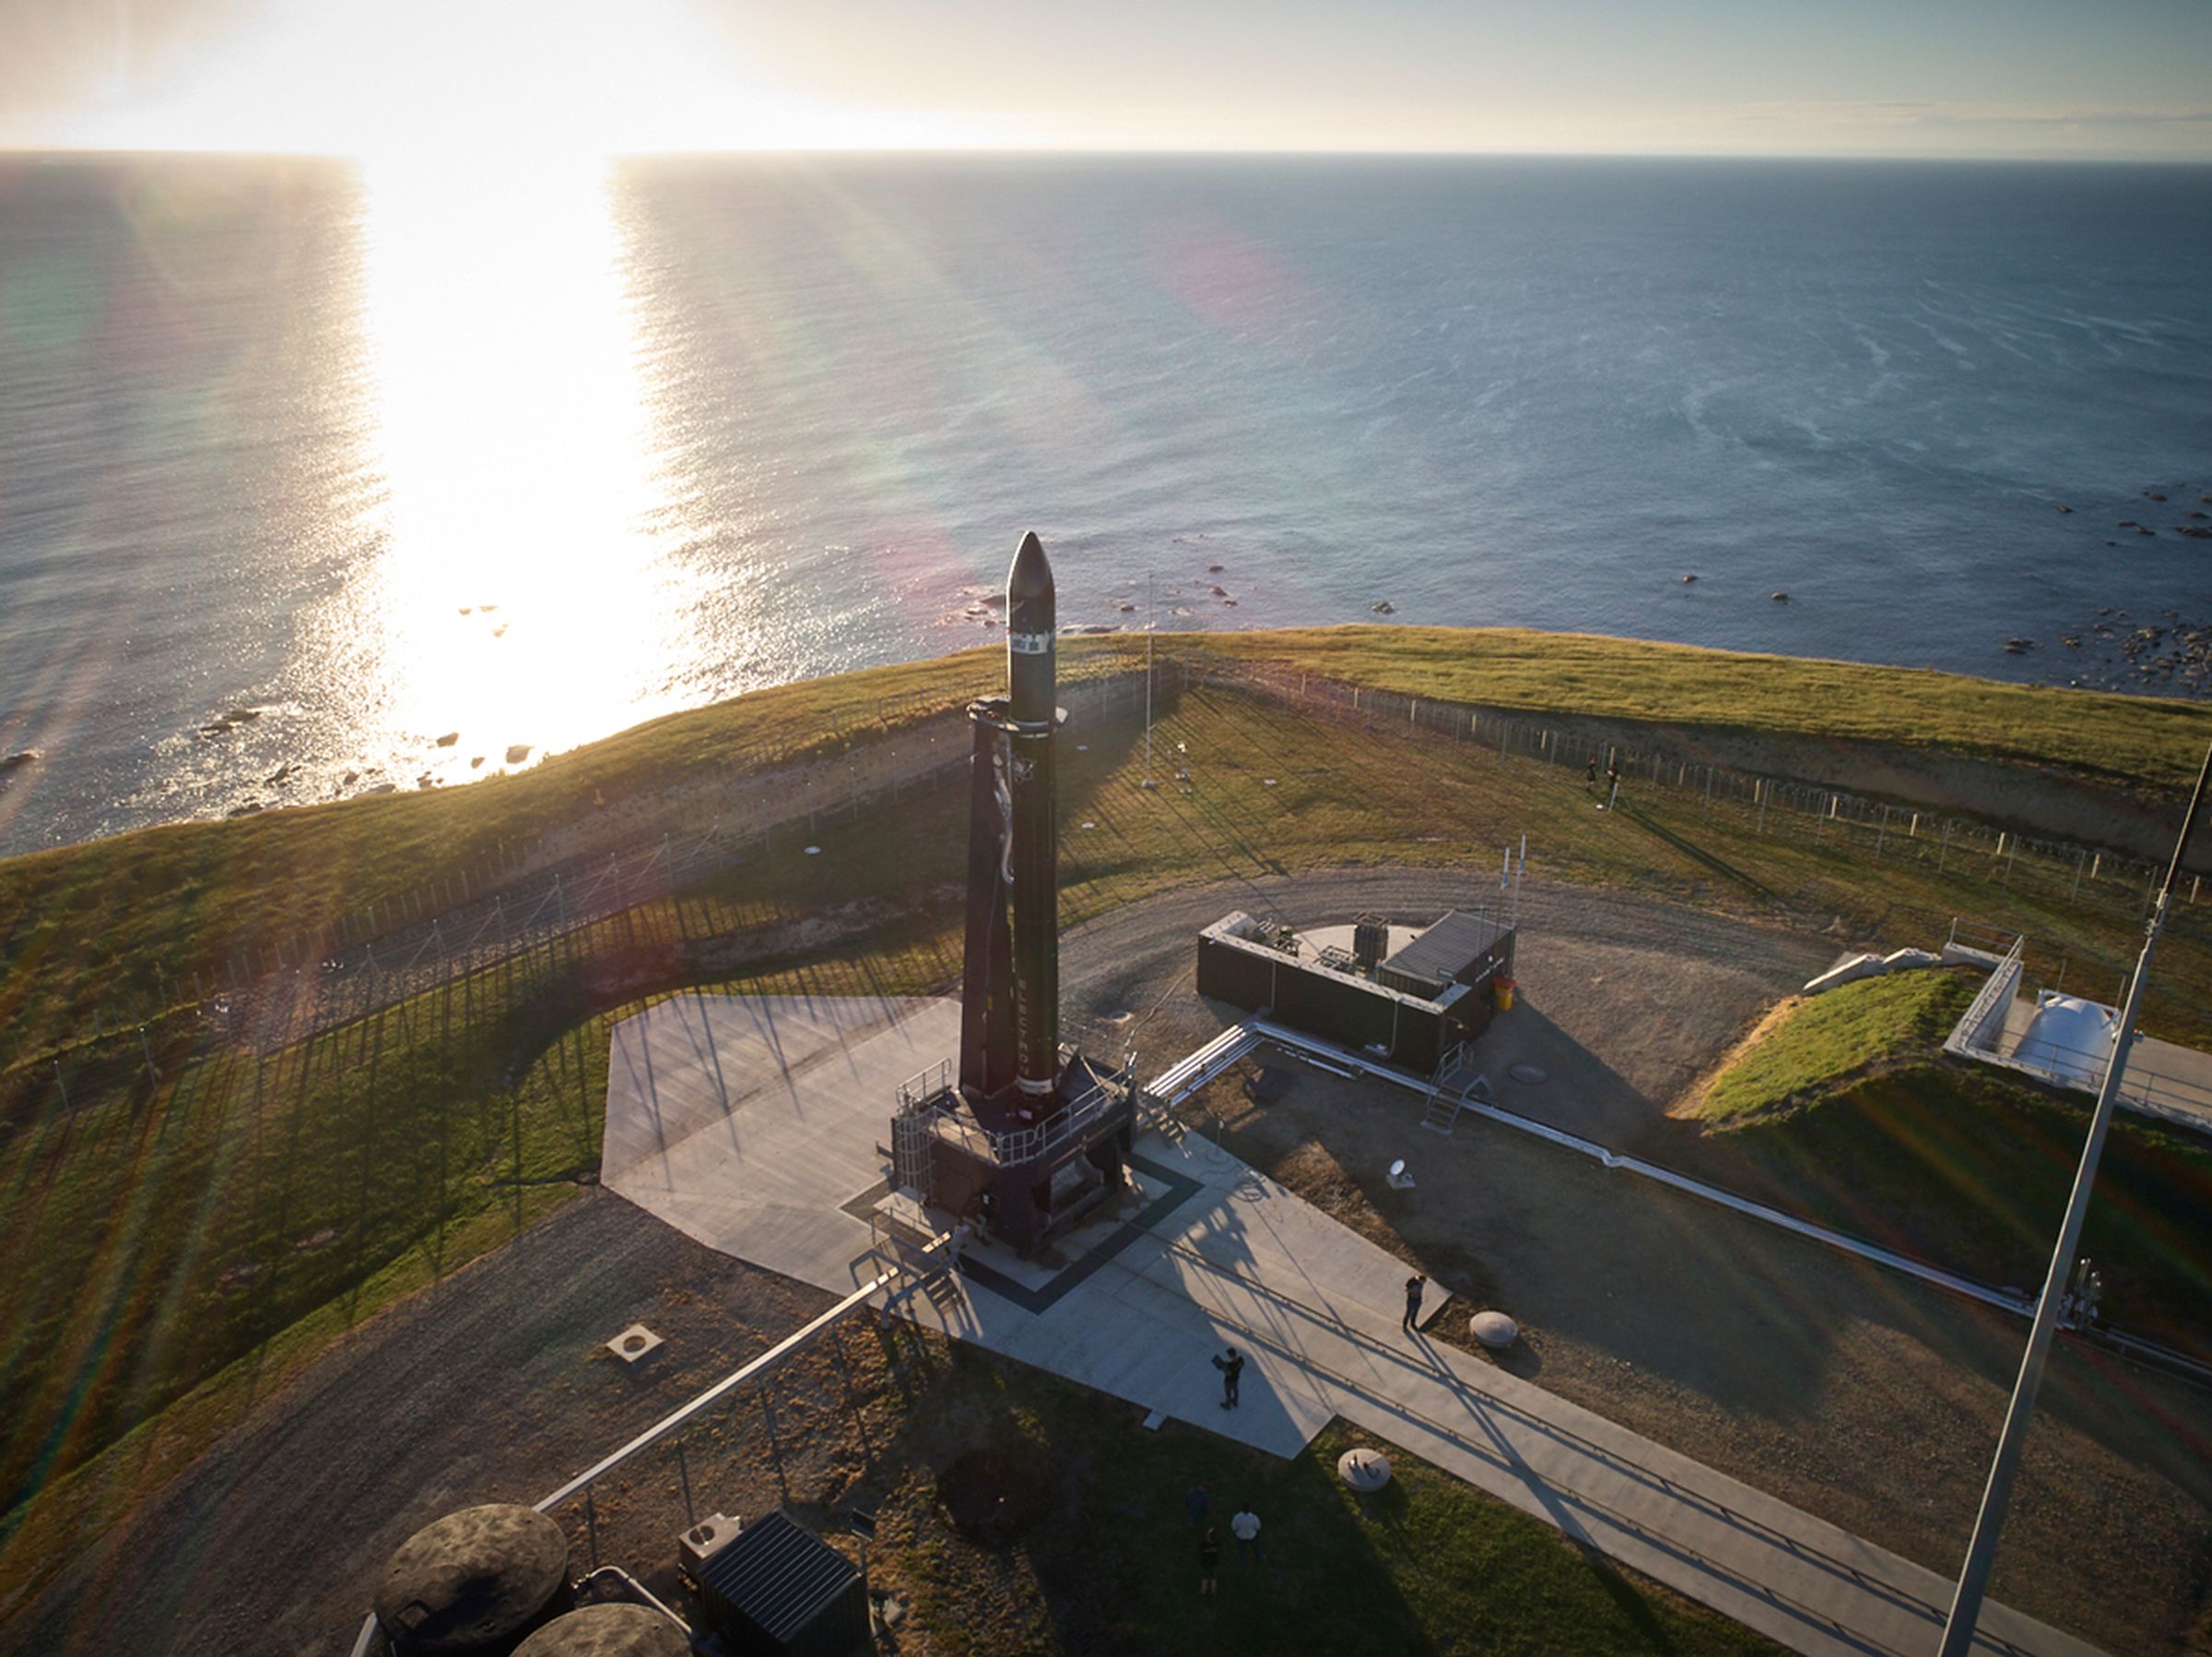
pixel 1033 861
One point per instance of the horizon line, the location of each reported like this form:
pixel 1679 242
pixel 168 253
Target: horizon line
pixel 1071 152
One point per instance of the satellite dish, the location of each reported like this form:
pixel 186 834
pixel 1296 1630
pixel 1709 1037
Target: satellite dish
pixel 1397 1169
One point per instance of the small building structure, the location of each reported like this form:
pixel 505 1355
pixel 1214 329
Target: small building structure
pixel 1412 1004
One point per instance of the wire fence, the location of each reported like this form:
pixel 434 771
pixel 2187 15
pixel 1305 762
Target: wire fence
pixel 2057 871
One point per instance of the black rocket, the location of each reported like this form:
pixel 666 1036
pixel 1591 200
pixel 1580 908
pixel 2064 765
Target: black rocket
pixel 1010 1021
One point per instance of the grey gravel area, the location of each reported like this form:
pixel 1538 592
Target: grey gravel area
pixel 489 1387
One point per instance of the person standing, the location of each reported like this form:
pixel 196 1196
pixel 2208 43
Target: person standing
pixel 1209 1559
pixel 1245 1527
pixel 1414 1286
pixel 1231 1366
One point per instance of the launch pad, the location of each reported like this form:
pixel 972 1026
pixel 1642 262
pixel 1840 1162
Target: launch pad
pixel 1026 1170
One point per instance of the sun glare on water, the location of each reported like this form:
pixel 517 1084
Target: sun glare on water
pixel 521 596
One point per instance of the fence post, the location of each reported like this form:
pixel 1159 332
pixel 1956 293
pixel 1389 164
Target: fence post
pixel 2077 891
pixel 1946 850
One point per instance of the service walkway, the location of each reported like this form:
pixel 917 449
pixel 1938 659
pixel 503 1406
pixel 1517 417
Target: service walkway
pixel 751 1127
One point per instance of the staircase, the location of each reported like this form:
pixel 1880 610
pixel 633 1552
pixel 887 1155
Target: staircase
pixel 1455 1085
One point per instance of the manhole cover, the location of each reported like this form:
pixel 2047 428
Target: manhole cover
pixel 1363 1469
pixel 1529 1074
pixel 634 1343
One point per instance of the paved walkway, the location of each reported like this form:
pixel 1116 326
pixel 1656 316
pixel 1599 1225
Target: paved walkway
pixel 751 1127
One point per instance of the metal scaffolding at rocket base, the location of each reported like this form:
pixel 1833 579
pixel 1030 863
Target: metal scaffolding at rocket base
pixel 1026 1138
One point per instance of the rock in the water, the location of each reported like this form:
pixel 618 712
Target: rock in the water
pixel 17 761
pixel 1213 569
pixel 476 762
pixel 1688 579
pixel 450 739
pixel 2019 647
pixel 2066 509
pixel 518 753
pixel 349 778
pixel 1780 598
pixel 1382 606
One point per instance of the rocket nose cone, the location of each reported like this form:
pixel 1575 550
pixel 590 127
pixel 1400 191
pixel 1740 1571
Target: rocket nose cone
pixel 1031 577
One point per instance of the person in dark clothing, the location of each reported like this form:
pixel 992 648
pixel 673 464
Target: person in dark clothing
pixel 1414 1286
pixel 1196 1501
pixel 1231 1366
pixel 1591 776
pixel 1209 1561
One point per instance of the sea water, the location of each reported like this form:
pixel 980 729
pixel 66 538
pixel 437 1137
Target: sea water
pixel 316 479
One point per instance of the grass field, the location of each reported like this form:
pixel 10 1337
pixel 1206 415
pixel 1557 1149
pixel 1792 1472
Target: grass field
pixel 2129 739
pixel 201 1230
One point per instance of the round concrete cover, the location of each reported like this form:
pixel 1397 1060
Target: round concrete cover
pixel 607 1631
pixel 1363 1469
pixel 1494 1330
pixel 471 1578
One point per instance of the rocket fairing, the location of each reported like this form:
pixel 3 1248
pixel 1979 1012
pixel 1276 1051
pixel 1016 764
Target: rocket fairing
pixel 1034 861
pixel 1010 1009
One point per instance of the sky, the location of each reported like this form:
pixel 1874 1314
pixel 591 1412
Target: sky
pixel 1997 78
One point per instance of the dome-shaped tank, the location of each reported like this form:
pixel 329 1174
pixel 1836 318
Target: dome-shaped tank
pixel 473 1583
pixel 607 1631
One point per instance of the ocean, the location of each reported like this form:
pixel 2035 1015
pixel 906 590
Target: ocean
pixel 316 479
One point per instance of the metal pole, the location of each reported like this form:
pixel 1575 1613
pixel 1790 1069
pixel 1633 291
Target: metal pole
pixel 1148 782
pixel 1981 1549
